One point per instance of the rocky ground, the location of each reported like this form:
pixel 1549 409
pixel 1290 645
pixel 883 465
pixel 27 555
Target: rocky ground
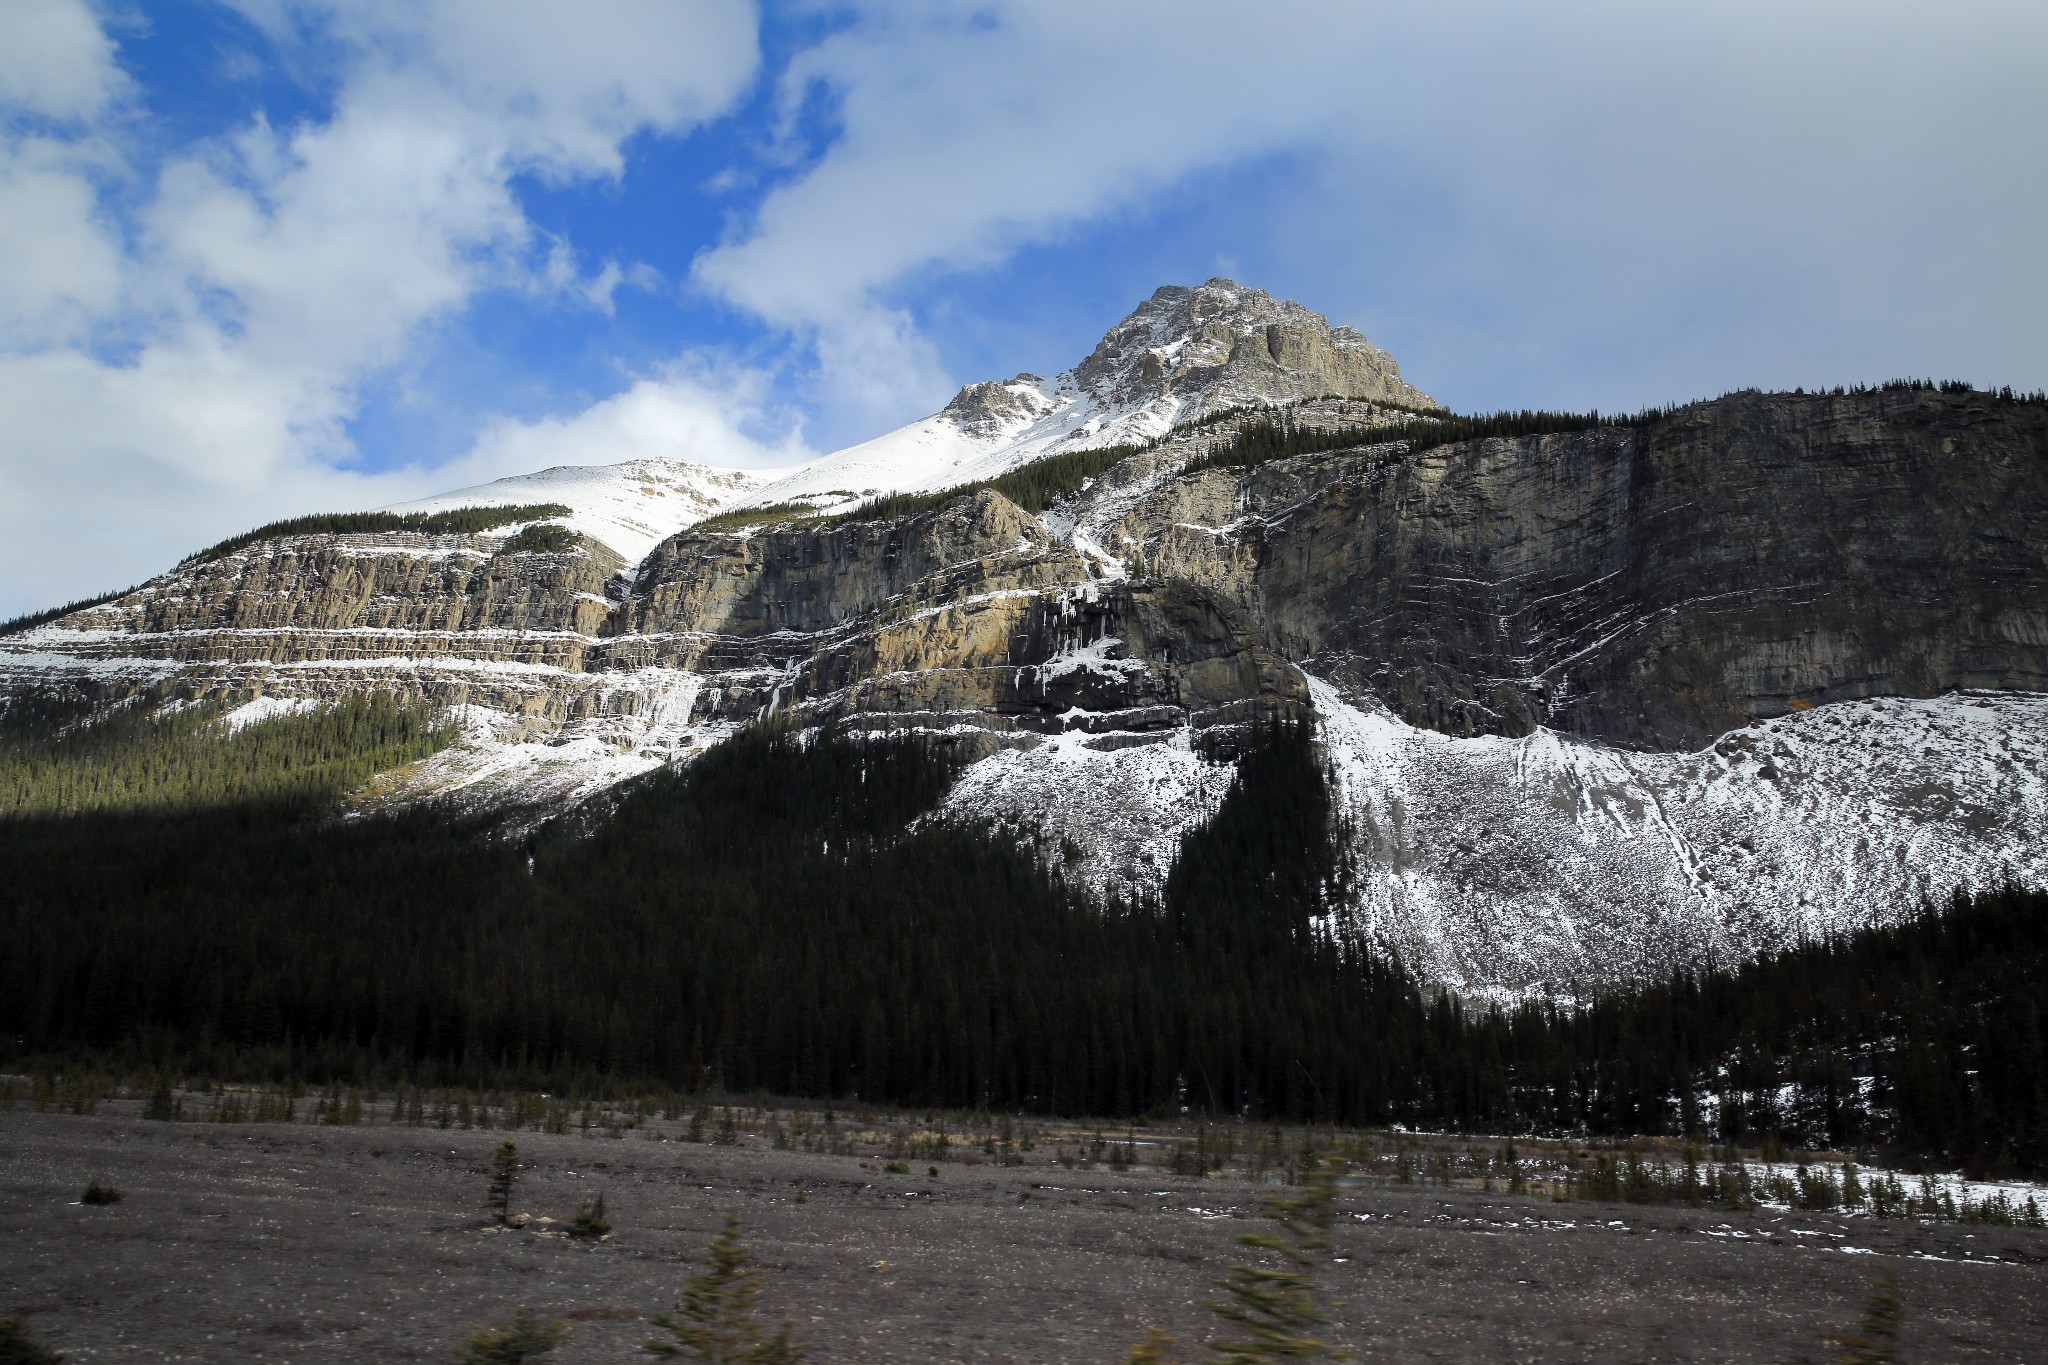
pixel 290 1242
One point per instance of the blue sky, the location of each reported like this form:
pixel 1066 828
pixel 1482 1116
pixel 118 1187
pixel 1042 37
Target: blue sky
pixel 261 257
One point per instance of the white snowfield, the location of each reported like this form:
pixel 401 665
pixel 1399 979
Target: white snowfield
pixel 942 451
pixel 1506 868
pixel 1139 393
pixel 1167 364
pixel 630 507
pixel 1503 868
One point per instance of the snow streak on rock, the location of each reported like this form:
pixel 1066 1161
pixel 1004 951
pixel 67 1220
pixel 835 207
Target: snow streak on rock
pixel 636 722
pixel 1114 816
pixel 1507 867
pixel 630 507
pixel 1181 355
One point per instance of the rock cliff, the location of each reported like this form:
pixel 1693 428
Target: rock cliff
pixel 1599 702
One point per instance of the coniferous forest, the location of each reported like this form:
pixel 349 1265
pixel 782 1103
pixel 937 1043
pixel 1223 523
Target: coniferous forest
pixel 775 917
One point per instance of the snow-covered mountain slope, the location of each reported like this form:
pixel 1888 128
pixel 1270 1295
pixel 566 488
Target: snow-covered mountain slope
pixel 1543 865
pixel 1180 356
pixel 629 507
pixel 1601 701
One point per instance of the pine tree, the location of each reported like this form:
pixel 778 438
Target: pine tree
pixel 162 1106
pixel 522 1339
pixel 716 1322
pixel 1152 1350
pixel 1278 1310
pixel 1876 1341
pixel 590 1222
pixel 504 1171
pixel 17 1348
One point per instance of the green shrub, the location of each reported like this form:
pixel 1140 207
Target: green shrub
pixel 716 1321
pixel 541 538
pixel 590 1223
pixel 523 1338
pixel 17 1348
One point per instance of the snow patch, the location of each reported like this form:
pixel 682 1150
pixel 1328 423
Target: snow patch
pixel 630 507
pixel 1514 867
pixel 1120 811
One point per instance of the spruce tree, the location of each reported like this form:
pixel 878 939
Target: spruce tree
pixel 504 1171
pixel 522 1339
pixel 590 1222
pixel 1153 1350
pixel 17 1348
pixel 1279 1309
pixel 716 1322
pixel 1876 1341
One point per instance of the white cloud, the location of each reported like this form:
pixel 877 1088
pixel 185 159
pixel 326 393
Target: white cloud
pixel 969 130
pixel 1544 181
pixel 62 267
pixel 563 84
pixel 199 377
pixel 55 60
pixel 712 413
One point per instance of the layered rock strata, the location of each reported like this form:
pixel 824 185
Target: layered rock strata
pixel 1593 698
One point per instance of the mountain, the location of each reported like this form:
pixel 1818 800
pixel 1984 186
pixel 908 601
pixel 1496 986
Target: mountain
pixel 628 508
pixel 1597 698
pixel 1183 355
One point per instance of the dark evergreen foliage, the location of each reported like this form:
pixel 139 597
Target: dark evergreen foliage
pixel 777 917
pixel 543 538
pixel 524 1337
pixel 717 1321
pixel 1280 438
pixel 15 625
pixel 1262 442
pixel 60 755
pixel 99 1196
pixel 457 521
pixel 17 1347
pixel 744 518
pixel 1926 1038
pixel 1033 487
pixel 504 1175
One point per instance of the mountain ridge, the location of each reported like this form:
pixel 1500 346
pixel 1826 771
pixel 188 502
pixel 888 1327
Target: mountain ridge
pixel 1560 674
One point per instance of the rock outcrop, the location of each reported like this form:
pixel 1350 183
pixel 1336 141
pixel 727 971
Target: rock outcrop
pixel 1221 345
pixel 1651 587
pixel 1576 644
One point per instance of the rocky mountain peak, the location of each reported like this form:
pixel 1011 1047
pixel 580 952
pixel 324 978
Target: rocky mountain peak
pixel 996 406
pixel 1221 344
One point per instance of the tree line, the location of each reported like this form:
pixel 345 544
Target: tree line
pixel 456 521
pixel 777 916
pixel 62 755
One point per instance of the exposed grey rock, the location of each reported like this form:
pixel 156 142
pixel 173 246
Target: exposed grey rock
pixel 1739 559
pixel 1634 592
pixel 1221 345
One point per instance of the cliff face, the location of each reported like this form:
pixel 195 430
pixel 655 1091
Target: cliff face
pixel 1738 560
pixel 1221 345
pixel 1184 355
pixel 1594 699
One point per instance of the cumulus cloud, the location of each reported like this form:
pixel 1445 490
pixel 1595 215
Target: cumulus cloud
pixel 562 85
pixel 968 130
pixel 1756 177
pixel 55 60
pixel 696 409
pixel 197 371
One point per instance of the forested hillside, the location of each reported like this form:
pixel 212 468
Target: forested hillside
pixel 776 917
pixel 62 757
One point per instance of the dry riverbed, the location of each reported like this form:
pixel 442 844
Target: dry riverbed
pixel 293 1242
